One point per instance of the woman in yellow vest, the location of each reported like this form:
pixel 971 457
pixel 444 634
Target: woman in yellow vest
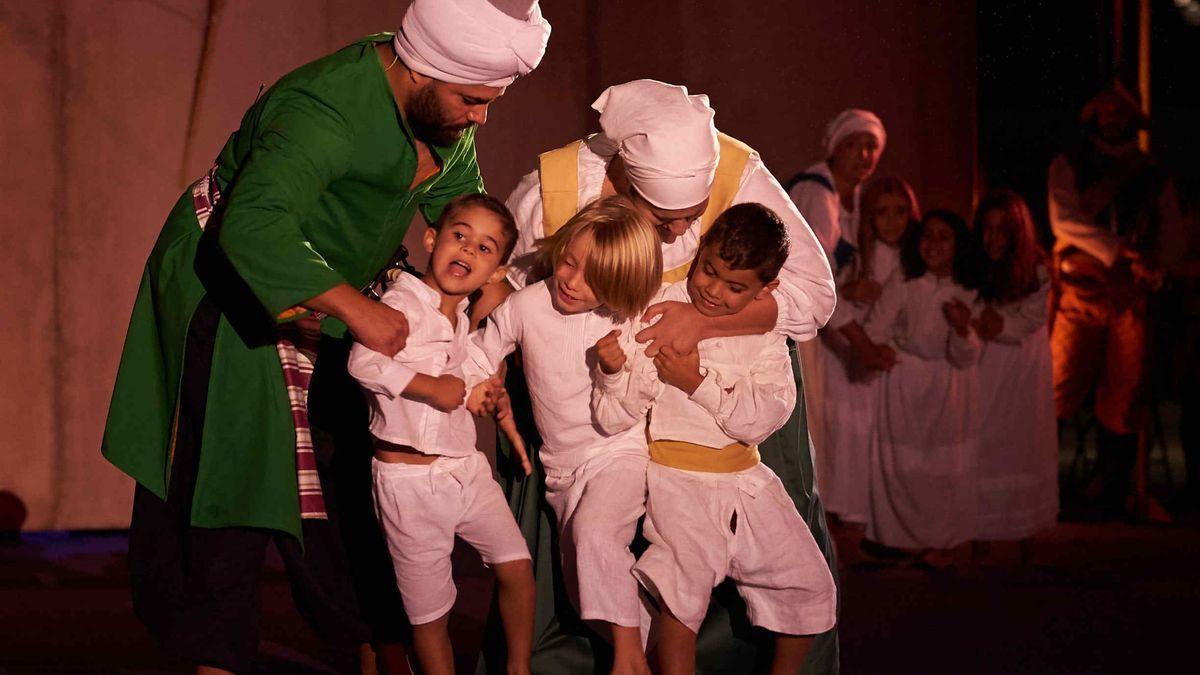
pixel 658 147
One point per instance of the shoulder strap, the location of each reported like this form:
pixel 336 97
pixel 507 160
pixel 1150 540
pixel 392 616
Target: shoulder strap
pixel 558 174
pixel 803 177
pixel 730 167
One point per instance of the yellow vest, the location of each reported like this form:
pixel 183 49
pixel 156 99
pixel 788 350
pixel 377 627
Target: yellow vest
pixel 558 171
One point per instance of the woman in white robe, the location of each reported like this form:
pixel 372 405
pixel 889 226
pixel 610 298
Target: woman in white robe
pixel 827 194
pixel 849 382
pixel 1018 436
pixel 922 451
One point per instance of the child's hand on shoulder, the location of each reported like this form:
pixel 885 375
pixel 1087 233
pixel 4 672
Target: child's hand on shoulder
pixel 958 315
pixel 609 354
pixel 681 371
pixel 446 393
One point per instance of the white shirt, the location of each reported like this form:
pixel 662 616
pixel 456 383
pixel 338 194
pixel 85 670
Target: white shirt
pixel 823 210
pixel 909 315
pixel 806 293
pixel 555 353
pixel 747 394
pixel 885 260
pixel 433 348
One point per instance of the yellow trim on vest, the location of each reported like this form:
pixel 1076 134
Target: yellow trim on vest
pixel 558 172
pixel 692 457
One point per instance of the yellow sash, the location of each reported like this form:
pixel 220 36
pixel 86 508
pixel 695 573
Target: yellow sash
pixel 558 171
pixel 692 457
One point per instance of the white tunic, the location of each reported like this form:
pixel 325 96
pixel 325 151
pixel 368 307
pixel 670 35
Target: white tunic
pixel 844 419
pixel 748 392
pixel 554 347
pixel 1018 436
pixel 434 348
pixel 922 484
pixel 806 291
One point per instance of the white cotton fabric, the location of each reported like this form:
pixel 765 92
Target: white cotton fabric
pixel 806 291
pixel 666 138
pixel 470 41
pixel 423 507
pixel 1018 435
pixel 595 481
pixel 923 449
pixel 850 121
pixel 554 353
pixel 841 413
pixel 597 507
pixel 704 527
pixel 748 392
pixel 434 348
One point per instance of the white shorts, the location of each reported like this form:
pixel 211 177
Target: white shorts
pixel 704 527
pixel 421 507
pixel 597 507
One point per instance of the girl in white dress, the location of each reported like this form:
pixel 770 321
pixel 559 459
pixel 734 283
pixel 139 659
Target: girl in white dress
pixel 1018 439
pixel 922 451
pixel 850 379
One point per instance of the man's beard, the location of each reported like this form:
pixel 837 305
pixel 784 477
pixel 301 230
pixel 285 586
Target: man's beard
pixel 427 119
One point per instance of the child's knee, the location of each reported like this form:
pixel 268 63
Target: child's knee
pixel 514 572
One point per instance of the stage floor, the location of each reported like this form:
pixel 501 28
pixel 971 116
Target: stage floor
pixel 1100 597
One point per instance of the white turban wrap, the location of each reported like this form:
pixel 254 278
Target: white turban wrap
pixel 666 138
pixel 853 120
pixel 470 41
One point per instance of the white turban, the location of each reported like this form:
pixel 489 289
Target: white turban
pixel 853 120
pixel 666 138
pixel 470 41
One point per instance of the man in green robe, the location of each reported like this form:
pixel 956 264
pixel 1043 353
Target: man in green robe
pixel 308 200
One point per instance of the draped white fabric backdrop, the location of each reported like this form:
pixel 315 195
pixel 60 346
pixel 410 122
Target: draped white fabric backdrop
pixel 100 96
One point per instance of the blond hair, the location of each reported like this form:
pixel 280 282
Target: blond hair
pixel 624 264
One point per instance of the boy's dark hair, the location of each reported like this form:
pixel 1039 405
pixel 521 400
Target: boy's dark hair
pixel 484 201
pixel 749 236
pixel 910 247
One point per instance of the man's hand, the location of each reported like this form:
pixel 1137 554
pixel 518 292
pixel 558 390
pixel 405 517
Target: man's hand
pixel 989 324
pixel 379 328
pixel 681 371
pixel 444 392
pixel 679 327
pixel 373 324
pixel 609 354
pixel 958 315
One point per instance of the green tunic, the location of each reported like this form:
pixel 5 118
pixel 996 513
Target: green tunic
pixel 316 184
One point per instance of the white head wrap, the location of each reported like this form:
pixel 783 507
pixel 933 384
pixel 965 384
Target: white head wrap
pixel 666 138
pixel 470 41
pixel 853 120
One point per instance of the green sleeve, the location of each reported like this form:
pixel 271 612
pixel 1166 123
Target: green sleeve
pixel 462 177
pixel 302 148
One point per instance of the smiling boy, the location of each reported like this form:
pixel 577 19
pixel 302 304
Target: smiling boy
pixel 714 510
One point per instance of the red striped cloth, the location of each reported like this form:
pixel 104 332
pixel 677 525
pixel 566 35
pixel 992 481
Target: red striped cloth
pixel 297 347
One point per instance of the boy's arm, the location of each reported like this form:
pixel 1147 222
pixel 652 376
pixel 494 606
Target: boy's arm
pixel 620 400
pixel 488 346
pixel 752 407
pixel 376 372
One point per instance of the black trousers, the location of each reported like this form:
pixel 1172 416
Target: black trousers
pixel 198 590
